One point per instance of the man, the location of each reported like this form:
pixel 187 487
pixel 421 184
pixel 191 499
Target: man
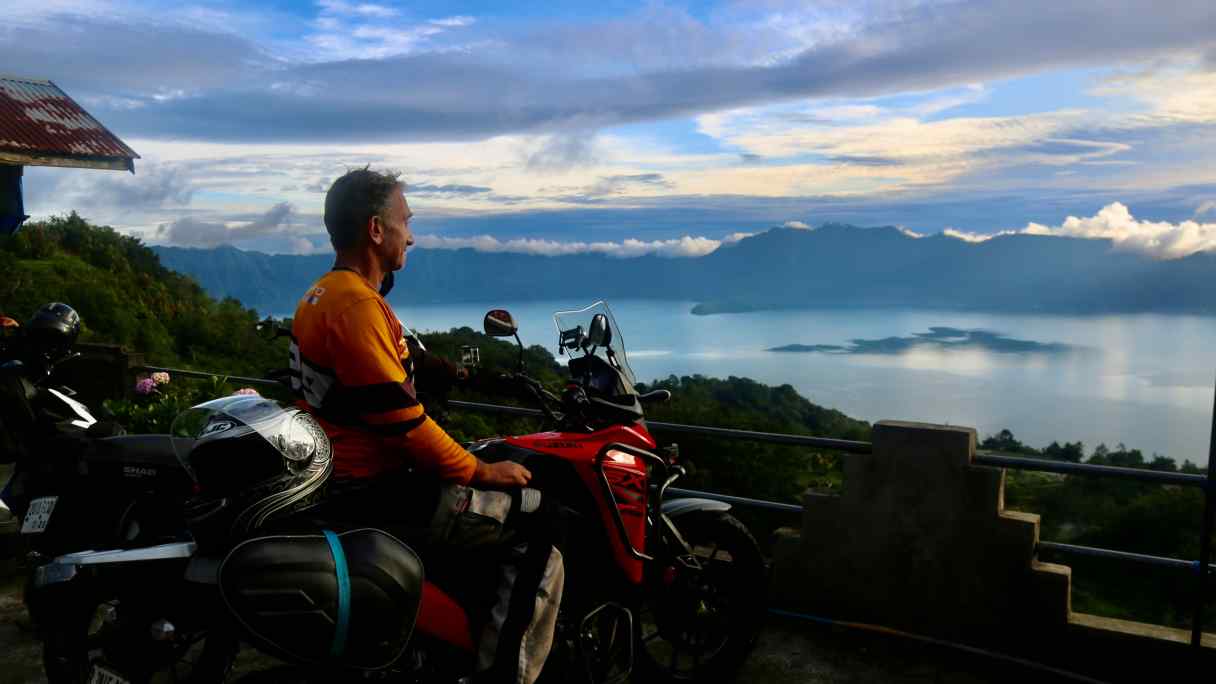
pixel 355 371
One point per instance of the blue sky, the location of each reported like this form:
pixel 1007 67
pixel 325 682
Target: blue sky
pixel 528 125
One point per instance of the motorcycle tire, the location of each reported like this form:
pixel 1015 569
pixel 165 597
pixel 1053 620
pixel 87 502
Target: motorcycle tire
pixel 674 642
pixel 73 642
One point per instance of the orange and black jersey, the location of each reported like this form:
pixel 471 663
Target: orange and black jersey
pixel 353 369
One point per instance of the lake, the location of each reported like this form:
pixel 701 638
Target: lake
pixel 1144 380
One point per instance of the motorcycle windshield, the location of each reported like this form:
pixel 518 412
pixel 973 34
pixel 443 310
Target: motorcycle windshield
pixel 573 327
pixel 295 434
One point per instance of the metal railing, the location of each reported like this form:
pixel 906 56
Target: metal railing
pixel 1206 483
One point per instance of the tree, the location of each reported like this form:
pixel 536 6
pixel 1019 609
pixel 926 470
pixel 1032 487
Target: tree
pixel 1163 463
pixel 1006 442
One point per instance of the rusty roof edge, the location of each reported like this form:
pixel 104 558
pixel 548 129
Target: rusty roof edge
pixel 13 77
pixel 8 158
pixel 125 146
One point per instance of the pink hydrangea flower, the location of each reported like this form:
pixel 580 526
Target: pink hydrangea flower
pixel 161 378
pixel 145 386
pixel 247 391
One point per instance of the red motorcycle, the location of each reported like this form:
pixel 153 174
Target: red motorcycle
pixel 686 575
pixel 655 588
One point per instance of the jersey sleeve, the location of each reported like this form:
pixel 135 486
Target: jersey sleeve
pixel 368 366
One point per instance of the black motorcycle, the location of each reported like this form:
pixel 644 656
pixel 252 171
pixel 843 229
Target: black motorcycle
pixel 124 534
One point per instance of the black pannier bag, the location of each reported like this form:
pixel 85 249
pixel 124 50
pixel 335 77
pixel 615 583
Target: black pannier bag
pixel 285 593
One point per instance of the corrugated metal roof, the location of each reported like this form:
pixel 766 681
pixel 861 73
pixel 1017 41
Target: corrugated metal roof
pixel 39 123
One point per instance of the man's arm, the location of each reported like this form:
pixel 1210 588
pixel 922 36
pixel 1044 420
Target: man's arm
pixel 377 390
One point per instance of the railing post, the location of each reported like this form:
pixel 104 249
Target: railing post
pixel 1205 542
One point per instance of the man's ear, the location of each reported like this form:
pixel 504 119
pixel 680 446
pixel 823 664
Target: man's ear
pixel 375 230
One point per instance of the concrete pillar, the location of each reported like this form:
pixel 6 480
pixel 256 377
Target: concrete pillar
pixel 918 539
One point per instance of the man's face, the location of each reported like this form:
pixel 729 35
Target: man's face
pixel 397 234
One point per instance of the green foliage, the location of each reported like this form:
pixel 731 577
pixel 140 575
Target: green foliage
pixel 154 412
pixel 759 470
pixel 125 296
pixel 497 357
pixel 1160 520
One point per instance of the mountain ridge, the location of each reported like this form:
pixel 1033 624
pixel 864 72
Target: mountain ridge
pixel 833 266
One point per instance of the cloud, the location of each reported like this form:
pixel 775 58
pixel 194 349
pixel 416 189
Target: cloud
pixel 562 152
pixel 599 72
pixel 628 183
pixel 449 189
pixel 357 9
pixel 1115 223
pixel 1205 207
pixel 156 186
pixel 799 225
pixel 966 236
pixel 193 232
pixel 685 246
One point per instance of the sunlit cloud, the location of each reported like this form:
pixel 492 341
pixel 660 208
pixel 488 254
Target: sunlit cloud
pixel 685 246
pixel 1116 223
pixel 851 105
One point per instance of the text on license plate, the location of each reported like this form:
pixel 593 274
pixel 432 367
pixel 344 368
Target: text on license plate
pixel 102 675
pixel 38 515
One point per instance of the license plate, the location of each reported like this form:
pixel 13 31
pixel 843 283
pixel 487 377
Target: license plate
pixel 104 675
pixel 39 515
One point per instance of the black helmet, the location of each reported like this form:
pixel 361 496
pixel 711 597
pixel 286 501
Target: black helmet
pixel 54 327
pixel 253 459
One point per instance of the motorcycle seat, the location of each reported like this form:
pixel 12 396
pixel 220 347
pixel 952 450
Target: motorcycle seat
pixel 140 450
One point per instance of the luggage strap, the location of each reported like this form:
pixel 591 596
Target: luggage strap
pixel 343 573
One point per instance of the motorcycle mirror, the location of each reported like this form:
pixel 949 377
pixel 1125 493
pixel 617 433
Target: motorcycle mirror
pixel 270 330
pixel 499 323
pixel 599 333
pixel 470 356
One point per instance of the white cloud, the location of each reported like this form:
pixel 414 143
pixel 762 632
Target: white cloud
pixel 193 232
pixel 1181 92
pixel 1157 238
pixel 968 236
pixel 1114 222
pixel 345 30
pixel 1205 207
pixel 454 22
pixel 357 9
pixel 909 232
pixel 302 245
pixel 795 224
pixel 686 246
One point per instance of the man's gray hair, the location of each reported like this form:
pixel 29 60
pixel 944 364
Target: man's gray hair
pixel 353 200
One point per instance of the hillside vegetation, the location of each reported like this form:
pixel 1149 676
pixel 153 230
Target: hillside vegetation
pixel 125 296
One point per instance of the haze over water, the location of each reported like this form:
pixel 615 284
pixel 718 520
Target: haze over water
pixel 1144 380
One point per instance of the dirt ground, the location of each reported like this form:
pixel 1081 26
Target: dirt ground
pixel 790 651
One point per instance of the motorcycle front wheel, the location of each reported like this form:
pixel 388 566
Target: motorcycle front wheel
pixel 701 616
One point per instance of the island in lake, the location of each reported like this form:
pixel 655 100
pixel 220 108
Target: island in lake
pixel 940 337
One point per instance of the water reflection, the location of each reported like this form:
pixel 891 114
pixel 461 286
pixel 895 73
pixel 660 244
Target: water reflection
pixel 1145 379
pixel 939 337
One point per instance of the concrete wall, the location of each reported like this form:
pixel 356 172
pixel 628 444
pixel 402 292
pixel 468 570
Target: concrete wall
pixel 919 540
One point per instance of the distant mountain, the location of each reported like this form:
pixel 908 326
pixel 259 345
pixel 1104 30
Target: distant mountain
pixel 834 266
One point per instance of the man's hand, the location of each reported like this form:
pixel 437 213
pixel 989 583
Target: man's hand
pixel 501 475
